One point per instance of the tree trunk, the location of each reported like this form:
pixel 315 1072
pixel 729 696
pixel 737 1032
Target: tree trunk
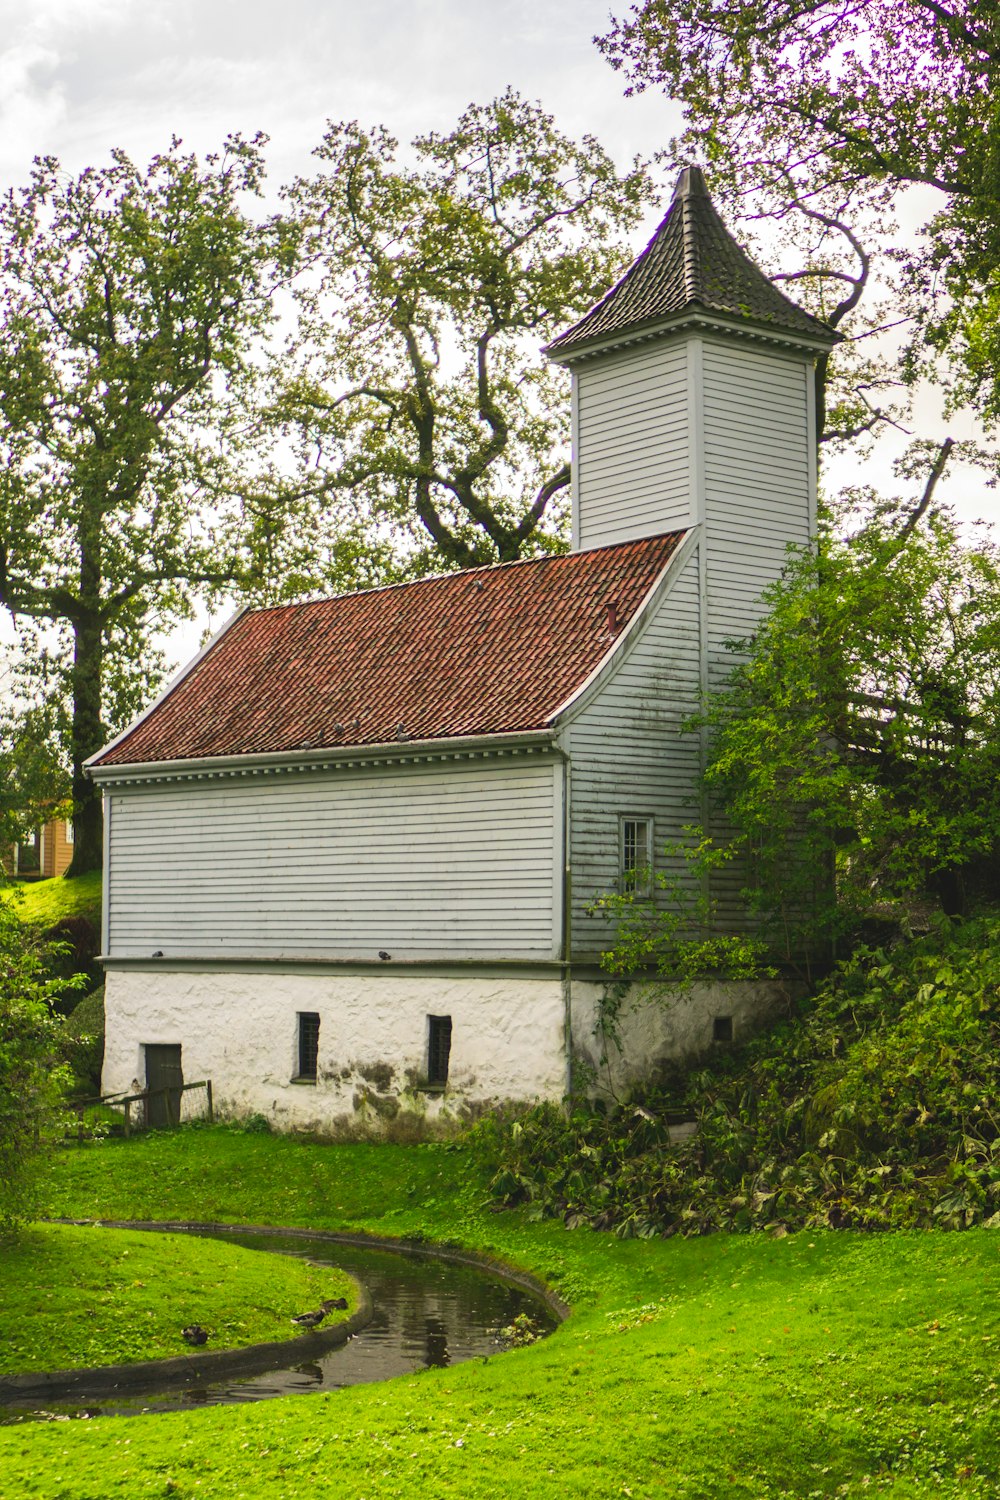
pixel 87 739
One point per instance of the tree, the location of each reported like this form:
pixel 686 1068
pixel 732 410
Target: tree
pixel 31 1079
pixel 128 300
pixel 815 115
pixel 854 754
pixel 419 398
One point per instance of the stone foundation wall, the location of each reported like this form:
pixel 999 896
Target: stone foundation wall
pixel 240 1029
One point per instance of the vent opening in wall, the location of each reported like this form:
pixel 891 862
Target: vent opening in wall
pixel 308 1046
pixel 438 1049
pixel 722 1029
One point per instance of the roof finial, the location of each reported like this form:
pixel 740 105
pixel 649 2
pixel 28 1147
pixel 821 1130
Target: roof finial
pixel 691 183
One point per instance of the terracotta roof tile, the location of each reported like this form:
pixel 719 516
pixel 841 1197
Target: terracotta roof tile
pixel 487 651
pixel 691 261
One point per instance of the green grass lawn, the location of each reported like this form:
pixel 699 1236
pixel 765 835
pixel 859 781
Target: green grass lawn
pixel 87 1296
pixel 44 902
pixel 819 1364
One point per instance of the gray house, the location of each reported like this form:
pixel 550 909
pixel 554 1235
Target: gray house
pixel 351 850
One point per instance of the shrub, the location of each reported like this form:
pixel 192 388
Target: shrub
pixel 876 1106
pixel 83 1042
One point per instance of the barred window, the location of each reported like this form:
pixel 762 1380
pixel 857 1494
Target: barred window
pixel 308 1043
pixel 438 1048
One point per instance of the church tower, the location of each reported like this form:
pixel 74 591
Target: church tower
pixel 694 407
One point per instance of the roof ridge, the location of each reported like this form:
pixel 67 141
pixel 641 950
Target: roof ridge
pixel 496 567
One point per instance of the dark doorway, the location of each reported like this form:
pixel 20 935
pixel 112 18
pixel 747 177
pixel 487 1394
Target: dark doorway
pixel 164 1081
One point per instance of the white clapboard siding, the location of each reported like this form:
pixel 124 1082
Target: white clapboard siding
pixel 758 471
pixel 441 861
pixel 631 445
pixel 758 467
pixel 630 757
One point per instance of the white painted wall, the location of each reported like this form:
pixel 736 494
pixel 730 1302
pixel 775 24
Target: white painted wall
pixel 759 477
pixel 461 859
pixel 630 758
pixel 631 444
pixel 240 1029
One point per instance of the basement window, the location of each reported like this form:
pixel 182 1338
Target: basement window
pixel 308 1046
pixel 635 856
pixel 722 1029
pixel 438 1050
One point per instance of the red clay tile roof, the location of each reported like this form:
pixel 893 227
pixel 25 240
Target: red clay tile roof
pixel 487 651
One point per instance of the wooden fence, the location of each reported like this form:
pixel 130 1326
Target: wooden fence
pixel 152 1108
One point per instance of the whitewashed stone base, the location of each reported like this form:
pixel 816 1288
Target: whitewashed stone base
pixel 658 1026
pixel 240 1030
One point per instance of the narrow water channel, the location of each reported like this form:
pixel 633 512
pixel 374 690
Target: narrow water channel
pixel 428 1312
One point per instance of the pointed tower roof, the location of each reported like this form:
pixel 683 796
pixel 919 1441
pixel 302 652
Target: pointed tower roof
pixel 691 263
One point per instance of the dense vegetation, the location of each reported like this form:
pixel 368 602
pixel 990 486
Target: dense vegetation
pixel 820 1364
pixel 876 1104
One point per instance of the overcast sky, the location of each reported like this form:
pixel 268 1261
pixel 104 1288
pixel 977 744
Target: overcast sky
pixel 78 77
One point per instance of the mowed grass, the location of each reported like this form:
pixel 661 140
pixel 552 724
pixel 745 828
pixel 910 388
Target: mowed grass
pixel 88 1296
pixel 44 902
pixel 820 1364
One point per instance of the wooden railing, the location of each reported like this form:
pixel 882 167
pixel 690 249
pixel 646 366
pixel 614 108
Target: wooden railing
pixel 135 1107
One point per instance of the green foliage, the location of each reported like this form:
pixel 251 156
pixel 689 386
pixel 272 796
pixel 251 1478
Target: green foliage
pixel 128 303
pixel 857 752
pixel 416 389
pixel 876 1106
pixel 83 1043
pixel 89 1296
pixel 31 1079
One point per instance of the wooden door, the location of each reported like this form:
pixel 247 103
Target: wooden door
pixel 163 1071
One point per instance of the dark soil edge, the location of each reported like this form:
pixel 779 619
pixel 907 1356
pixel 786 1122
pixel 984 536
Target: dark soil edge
pixel 254 1359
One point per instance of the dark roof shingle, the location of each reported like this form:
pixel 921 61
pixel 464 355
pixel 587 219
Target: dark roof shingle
pixel 691 261
pixel 487 651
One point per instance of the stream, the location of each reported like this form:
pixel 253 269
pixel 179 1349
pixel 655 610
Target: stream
pixel 429 1313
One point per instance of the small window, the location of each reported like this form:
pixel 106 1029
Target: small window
pixel 438 1048
pixel 308 1044
pixel 722 1029
pixel 69 830
pixel 635 856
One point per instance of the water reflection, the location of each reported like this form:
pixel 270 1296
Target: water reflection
pixel 427 1314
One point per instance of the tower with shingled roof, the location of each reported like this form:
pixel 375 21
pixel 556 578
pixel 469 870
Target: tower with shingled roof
pixel 693 405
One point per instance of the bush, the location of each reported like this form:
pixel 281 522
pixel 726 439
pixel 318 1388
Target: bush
pixel 32 1080
pixel 877 1106
pixel 83 1042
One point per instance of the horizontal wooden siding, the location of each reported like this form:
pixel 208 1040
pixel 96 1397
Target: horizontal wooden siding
pixel 454 861
pixel 631 758
pixel 631 444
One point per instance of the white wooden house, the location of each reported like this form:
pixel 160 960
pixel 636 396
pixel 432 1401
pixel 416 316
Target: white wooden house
pixel 351 850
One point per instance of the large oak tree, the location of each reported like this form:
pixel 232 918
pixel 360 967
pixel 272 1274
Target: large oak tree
pixel 415 384
pixel 128 302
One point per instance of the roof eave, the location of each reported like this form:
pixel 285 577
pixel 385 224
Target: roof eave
pixel 174 682
pixel 595 680
pixel 696 316
pixel 201 767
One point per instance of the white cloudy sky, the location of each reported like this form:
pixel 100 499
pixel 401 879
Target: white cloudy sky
pixel 78 77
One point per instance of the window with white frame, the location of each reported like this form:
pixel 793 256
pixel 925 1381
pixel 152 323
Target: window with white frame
pixel 635 856
pixel 69 830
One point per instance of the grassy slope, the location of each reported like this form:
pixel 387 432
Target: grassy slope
pixel 43 902
pixel 816 1365
pixel 76 1296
